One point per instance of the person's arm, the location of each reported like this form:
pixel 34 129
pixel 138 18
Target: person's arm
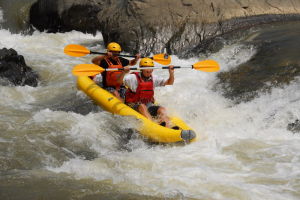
pixel 170 81
pixel 97 60
pixel 121 76
pixel 134 61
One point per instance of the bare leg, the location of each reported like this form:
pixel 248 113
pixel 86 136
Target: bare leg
pixel 163 117
pixel 116 93
pixel 144 111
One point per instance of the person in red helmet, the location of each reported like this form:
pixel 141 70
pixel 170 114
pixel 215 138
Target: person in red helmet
pixel 112 60
pixel 140 93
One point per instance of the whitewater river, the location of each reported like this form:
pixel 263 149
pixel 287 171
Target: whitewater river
pixel 56 144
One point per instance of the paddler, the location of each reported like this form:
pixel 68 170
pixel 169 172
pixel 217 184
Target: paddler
pixel 112 60
pixel 140 93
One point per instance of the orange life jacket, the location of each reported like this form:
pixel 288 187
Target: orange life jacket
pixel 144 91
pixel 112 76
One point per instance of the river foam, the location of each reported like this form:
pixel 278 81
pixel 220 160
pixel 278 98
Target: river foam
pixel 244 150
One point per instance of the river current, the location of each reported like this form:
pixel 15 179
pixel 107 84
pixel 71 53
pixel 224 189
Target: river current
pixel 56 144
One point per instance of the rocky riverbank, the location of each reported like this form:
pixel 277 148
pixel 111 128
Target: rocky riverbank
pixel 183 27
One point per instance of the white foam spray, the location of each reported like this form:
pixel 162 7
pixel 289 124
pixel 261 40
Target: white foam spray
pixel 244 151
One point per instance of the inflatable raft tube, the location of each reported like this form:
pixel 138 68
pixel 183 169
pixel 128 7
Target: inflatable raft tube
pixel 147 128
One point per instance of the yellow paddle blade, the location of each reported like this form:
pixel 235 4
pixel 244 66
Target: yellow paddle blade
pixel 76 50
pixel 162 58
pixel 207 66
pixel 87 70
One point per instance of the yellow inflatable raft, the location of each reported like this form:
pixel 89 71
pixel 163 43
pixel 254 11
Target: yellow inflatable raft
pixel 147 128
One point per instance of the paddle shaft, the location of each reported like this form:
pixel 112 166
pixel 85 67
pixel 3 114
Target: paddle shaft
pixel 94 52
pixel 123 55
pixel 140 68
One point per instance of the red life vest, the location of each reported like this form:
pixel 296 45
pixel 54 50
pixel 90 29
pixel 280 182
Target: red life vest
pixel 144 91
pixel 112 76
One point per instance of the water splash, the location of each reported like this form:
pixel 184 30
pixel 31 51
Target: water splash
pixel 245 151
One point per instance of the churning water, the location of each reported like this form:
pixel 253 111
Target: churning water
pixel 56 144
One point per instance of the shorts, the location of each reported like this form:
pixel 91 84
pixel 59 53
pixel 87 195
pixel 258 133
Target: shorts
pixel 152 108
pixel 121 91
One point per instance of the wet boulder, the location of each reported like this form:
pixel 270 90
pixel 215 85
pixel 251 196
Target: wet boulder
pixel 249 80
pixel 276 63
pixel 13 69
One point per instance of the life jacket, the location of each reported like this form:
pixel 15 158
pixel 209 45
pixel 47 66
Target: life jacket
pixel 144 91
pixel 112 76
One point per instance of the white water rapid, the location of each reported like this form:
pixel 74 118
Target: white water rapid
pixel 244 151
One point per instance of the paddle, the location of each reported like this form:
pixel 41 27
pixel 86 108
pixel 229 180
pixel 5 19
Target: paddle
pixel 76 50
pixel 92 69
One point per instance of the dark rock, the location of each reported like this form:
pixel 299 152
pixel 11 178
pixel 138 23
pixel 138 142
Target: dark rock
pixel 14 69
pixel 183 27
pixel 248 80
pixel 294 127
pixel 46 16
pixel 275 64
